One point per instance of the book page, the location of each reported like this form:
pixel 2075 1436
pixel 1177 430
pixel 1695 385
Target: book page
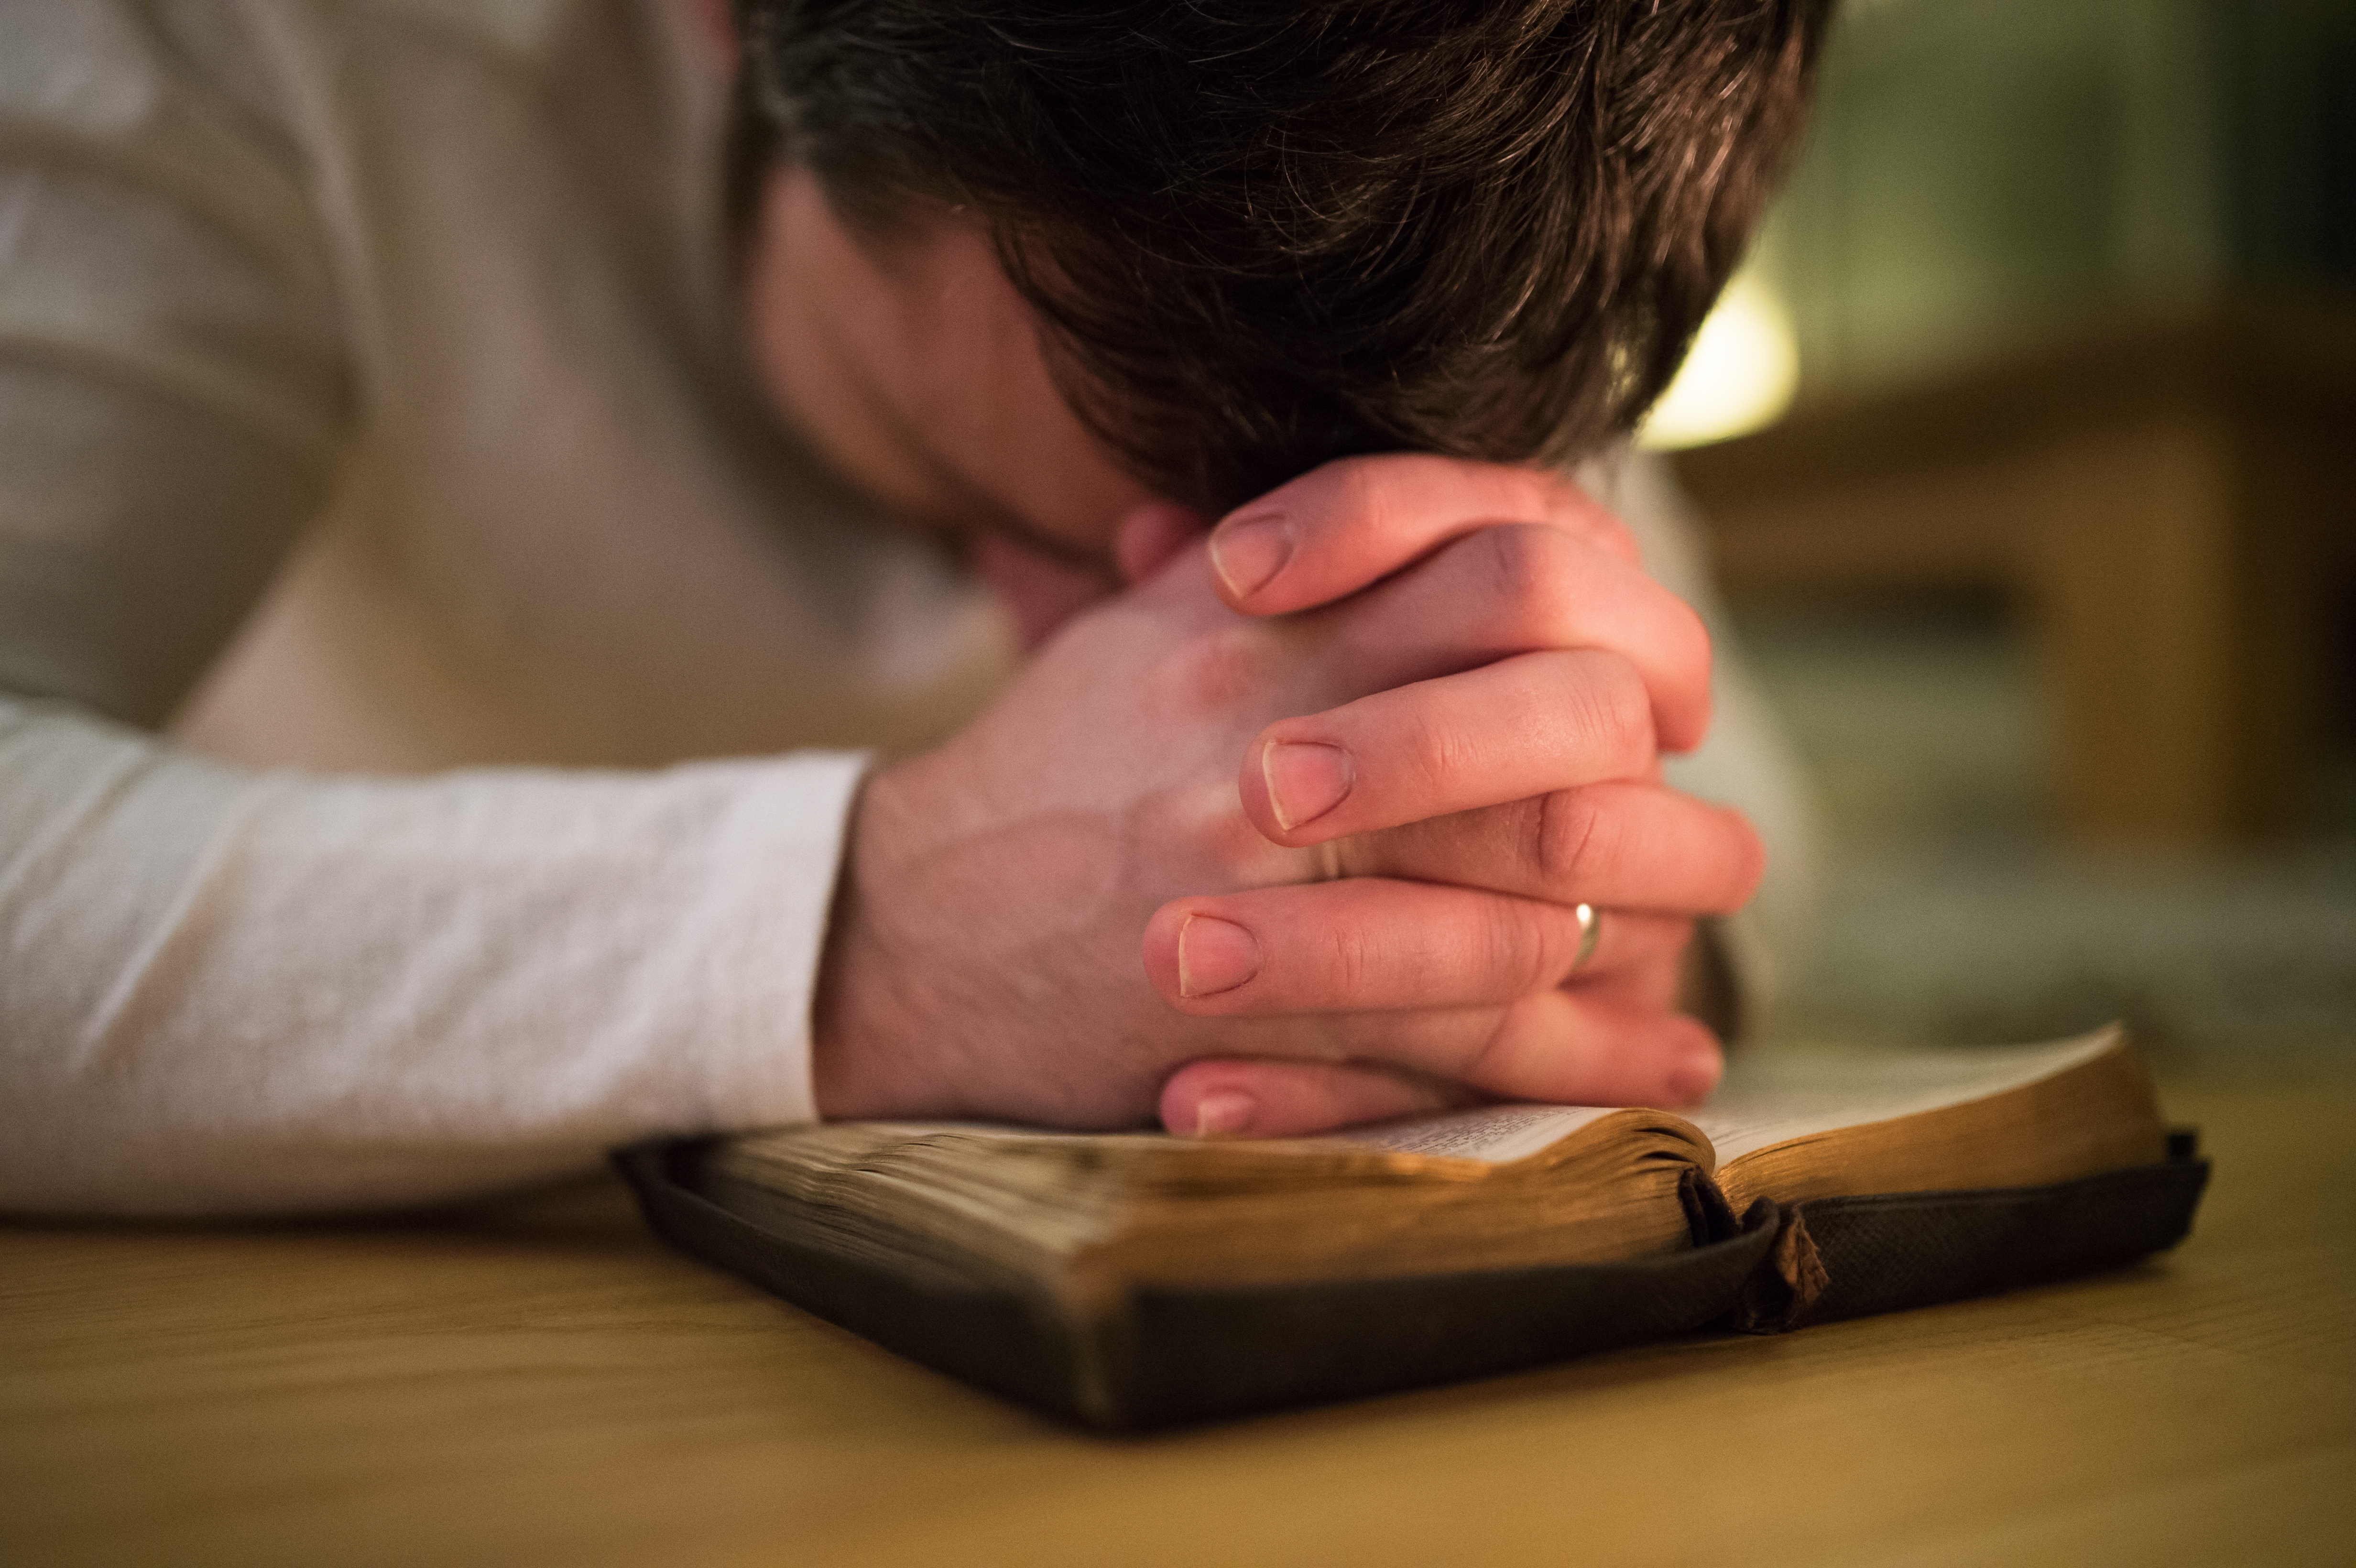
pixel 1780 1094
pixel 1765 1098
pixel 1494 1135
pixel 1014 1132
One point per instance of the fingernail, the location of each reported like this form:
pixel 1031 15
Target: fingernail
pixel 1249 551
pixel 1697 1074
pixel 1214 955
pixel 1306 779
pixel 1224 1111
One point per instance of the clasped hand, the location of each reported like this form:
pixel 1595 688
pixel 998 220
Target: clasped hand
pixel 1339 775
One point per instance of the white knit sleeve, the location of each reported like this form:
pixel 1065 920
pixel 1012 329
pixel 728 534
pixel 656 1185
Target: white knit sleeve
pixel 234 991
pixel 227 990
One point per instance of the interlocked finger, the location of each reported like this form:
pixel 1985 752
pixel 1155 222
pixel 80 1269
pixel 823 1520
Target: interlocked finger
pixel 1522 588
pixel 1519 728
pixel 1621 845
pixel 1274 1097
pixel 1370 944
pixel 1558 1047
pixel 1331 531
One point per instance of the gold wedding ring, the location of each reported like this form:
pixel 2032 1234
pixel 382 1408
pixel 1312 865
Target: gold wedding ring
pixel 1591 932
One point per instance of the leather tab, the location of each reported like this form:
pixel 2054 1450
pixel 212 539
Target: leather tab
pixel 1779 1294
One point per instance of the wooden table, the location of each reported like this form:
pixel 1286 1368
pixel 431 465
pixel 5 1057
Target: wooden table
pixel 543 1383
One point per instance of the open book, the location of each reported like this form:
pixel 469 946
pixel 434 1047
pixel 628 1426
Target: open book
pixel 1133 1278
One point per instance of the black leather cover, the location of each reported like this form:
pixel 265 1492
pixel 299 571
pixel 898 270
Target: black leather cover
pixel 1163 1356
pixel 1892 1251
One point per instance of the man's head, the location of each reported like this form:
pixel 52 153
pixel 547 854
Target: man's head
pixel 1265 235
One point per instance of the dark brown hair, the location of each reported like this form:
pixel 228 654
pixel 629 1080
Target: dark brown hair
pixel 1266 233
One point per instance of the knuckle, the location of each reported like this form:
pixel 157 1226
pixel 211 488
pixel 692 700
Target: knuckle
pixel 1210 672
pixel 1514 561
pixel 1432 756
pixel 1497 1059
pixel 1550 575
pixel 1616 683
pixel 1571 842
pixel 1519 949
pixel 1347 495
pixel 1350 962
pixel 1610 712
pixel 1514 836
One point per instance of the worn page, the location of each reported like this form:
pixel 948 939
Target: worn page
pixel 1774 1095
pixel 1495 1134
pixel 1765 1098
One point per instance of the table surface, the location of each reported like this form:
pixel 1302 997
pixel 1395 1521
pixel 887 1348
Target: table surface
pixel 542 1383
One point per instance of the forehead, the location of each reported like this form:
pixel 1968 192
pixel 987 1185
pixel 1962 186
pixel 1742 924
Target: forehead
pixel 914 364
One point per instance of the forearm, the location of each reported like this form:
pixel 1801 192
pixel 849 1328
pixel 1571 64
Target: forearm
pixel 237 992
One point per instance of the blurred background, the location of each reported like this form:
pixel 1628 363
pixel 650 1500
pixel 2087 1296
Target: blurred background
pixel 2027 440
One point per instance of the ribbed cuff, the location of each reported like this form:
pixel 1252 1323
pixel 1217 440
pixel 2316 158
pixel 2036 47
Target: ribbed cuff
pixel 776 853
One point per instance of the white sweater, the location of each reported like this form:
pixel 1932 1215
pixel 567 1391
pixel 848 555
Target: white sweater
pixel 372 418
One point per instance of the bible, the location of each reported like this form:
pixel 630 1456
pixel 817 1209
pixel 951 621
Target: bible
pixel 1131 1280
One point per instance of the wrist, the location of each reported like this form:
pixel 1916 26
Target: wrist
pixel 867 992
pixel 838 1073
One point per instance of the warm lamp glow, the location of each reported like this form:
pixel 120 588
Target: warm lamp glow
pixel 1738 377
